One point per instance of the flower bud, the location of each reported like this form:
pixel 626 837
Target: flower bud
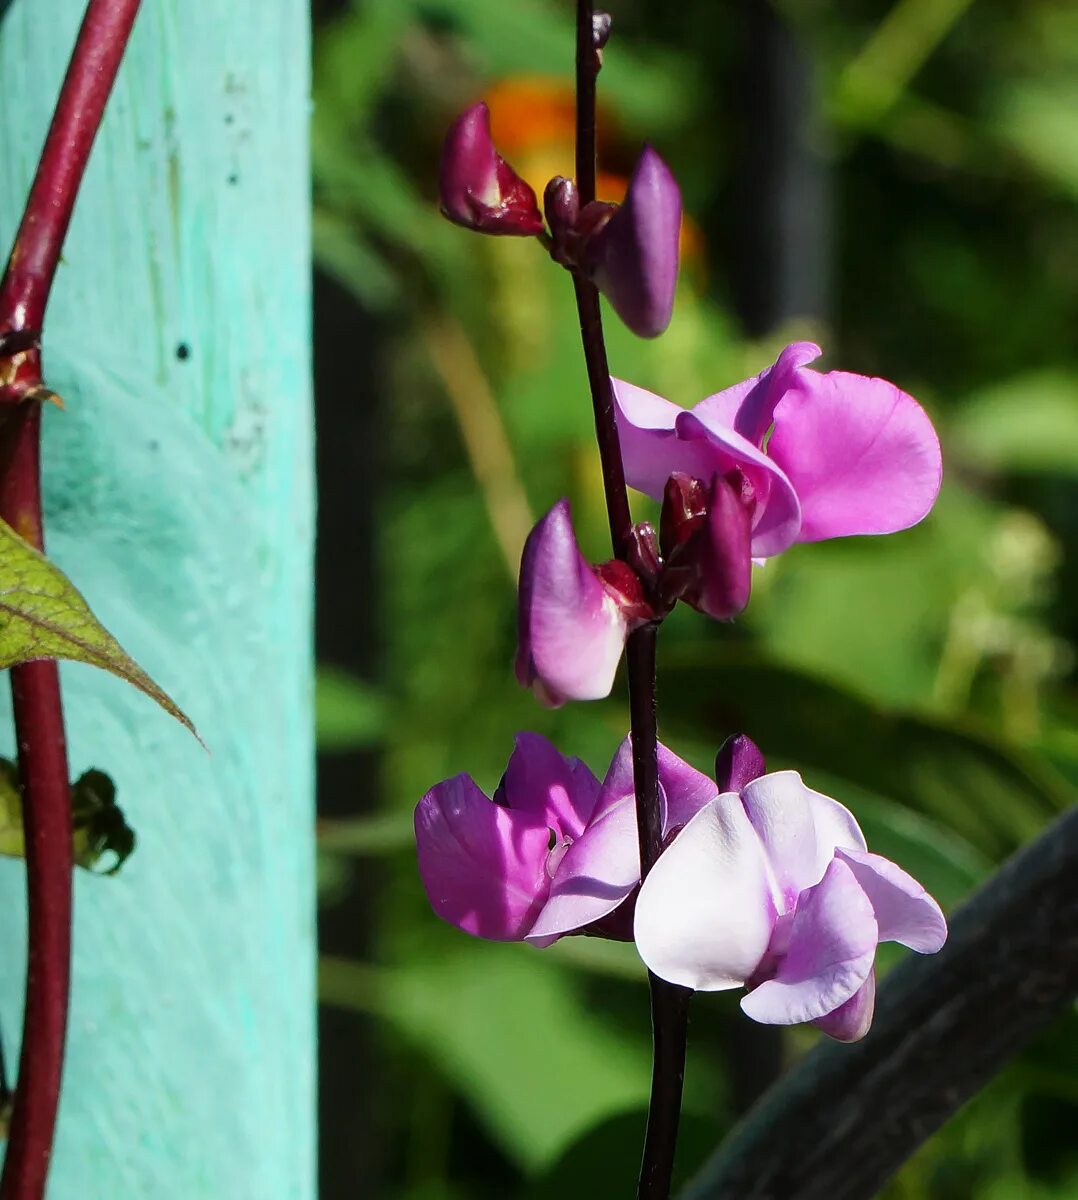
pixel 706 540
pixel 478 188
pixel 573 618
pixel 738 762
pixel 632 258
pixel 561 203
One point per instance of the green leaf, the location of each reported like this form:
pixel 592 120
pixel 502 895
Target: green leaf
pixel 509 1029
pixel 42 615
pixel 98 826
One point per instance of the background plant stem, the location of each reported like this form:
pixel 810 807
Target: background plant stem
pixel 669 1004
pixel 35 686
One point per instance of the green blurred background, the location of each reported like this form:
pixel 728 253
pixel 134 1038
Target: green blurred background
pixel 898 182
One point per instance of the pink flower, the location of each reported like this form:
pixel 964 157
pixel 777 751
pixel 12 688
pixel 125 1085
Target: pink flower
pixel 825 455
pixel 553 853
pixel 478 188
pixel 573 618
pixel 772 887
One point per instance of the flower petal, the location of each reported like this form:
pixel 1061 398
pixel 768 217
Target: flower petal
pixel 483 866
pixel 749 408
pixel 704 915
pixel 862 454
pixel 650 448
pixel 851 1020
pixel 799 829
pixel 905 912
pixel 597 873
pixel 543 783
pixel 571 628
pixel 830 953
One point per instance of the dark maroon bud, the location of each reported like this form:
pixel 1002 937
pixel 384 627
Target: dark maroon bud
pixel 600 28
pixel 478 188
pixel 644 553
pixel 683 513
pixel 737 763
pixel 561 204
pixel 721 554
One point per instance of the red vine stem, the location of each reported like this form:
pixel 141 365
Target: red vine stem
pixel 35 686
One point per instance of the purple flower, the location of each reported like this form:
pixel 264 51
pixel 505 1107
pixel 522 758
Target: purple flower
pixel 553 853
pixel 772 888
pixel 478 188
pixel 573 618
pixel 632 256
pixel 825 455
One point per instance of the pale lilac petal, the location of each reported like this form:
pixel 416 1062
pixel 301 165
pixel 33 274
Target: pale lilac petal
pixel 832 944
pixel 633 258
pixel 483 866
pixel 738 762
pixel 748 408
pixel 650 447
pixel 704 916
pixel 799 829
pixel 559 791
pixel 597 873
pixel 685 790
pixel 862 454
pixel 851 1020
pixel 572 630
pixel 905 912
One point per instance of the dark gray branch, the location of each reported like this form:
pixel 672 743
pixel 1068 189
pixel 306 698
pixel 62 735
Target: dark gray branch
pixel 840 1124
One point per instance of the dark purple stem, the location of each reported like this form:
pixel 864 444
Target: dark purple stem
pixel 669 1004
pixel 35 686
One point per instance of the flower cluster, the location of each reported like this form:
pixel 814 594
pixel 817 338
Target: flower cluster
pixel 762 883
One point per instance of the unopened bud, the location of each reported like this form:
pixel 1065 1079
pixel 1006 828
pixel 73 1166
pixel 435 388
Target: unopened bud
pixel 561 203
pixel 478 188
pixel 632 257
pixel 737 763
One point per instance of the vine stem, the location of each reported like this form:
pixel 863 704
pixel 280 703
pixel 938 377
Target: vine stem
pixel 35 686
pixel 669 1004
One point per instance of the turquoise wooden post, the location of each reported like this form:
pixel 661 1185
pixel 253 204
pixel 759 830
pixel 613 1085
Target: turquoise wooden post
pixel 178 497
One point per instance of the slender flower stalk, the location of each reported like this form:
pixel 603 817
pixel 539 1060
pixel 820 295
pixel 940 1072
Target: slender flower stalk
pixel 24 295
pixel 669 1004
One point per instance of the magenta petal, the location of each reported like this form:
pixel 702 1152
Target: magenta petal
pixel 851 1020
pixel 704 916
pixel 799 829
pixel 685 790
pixel 832 944
pixel 633 258
pixel 659 439
pixel 559 791
pixel 598 872
pixel 862 454
pixel 483 866
pixel 905 912
pixel 738 762
pixel 571 628
pixel 748 408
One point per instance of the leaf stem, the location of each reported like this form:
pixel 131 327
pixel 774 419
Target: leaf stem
pixel 669 1004
pixel 35 686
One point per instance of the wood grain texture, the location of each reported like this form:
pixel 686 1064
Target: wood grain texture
pixel 179 498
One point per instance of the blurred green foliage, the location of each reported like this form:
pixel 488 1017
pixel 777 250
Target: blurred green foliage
pixel 926 679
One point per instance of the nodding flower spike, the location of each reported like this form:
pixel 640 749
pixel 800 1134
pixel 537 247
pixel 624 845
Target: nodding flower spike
pixel 478 188
pixel 632 258
pixel 573 618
